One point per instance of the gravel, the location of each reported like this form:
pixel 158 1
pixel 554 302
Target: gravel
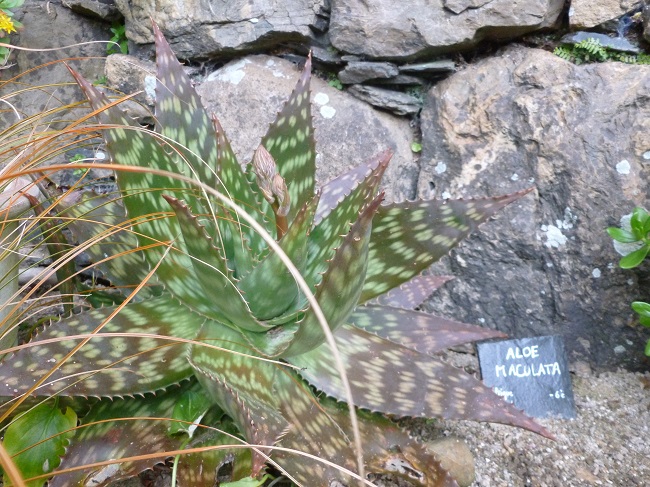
pixel 608 443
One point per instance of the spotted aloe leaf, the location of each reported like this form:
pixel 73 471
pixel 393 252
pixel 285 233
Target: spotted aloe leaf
pixel 142 196
pixel 212 272
pixel 102 218
pixel 408 237
pixel 245 387
pixel 108 365
pixel 397 380
pixel 335 191
pixel 290 140
pixel 412 293
pixel 327 434
pixel 259 389
pixel 421 332
pixel 326 235
pixel 280 291
pixel 338 292
pixel 203 147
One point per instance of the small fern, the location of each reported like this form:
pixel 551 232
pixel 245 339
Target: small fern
pixel 564 51
pixel 591 50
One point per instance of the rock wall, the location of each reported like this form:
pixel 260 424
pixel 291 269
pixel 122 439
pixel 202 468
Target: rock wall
pixel 474 81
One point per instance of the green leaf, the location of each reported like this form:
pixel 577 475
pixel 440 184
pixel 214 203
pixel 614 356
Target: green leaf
pixel 270 288
pixel 416 147
pixel 621 235
pixel 247 482
pixel 638 221
pixel 43 433
pixel 643 310
pixel 189 408
pixel 635 258
pixel 647 348
pixel 408 237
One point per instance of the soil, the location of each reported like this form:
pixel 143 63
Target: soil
pixel 608 443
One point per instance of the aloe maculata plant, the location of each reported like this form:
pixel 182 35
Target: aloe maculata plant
pixel 221 336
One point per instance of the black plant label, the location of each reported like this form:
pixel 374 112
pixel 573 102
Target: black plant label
pixel 532 373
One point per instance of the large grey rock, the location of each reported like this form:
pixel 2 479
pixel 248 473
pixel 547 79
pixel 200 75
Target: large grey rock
pixel 585 14
pixel 384 29
pixel 51 27
pixel 100 9
pixel 581 136
pixel 394 101
pixel 360 71
pixel 200 29
pixel 246 95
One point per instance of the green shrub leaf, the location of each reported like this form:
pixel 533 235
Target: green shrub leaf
pixel 635 258
pixel 38 440
pixel 638 221
pixel 621 235
pixel 189 408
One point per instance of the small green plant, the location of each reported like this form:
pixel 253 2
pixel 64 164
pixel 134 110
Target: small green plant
pixel 100 81
pixel 416 147
pixel 118 43
pixel 7 25
pixel 254 306
pixel 590 50
pixel 334 81
pixel 634 234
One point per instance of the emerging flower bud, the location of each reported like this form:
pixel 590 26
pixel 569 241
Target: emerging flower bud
pixel 281 193
pixel 265 169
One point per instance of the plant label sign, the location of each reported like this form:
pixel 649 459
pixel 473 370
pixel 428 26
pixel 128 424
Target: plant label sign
pixel 532 373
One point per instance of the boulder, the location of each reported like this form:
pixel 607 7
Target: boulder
pixel 51 27
pixel 394 101
pixel 383 29
pixel 585 14
pixel 99 9
pixel 581 136
pixel 246 95
pixel 199 29
pixel 360 71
